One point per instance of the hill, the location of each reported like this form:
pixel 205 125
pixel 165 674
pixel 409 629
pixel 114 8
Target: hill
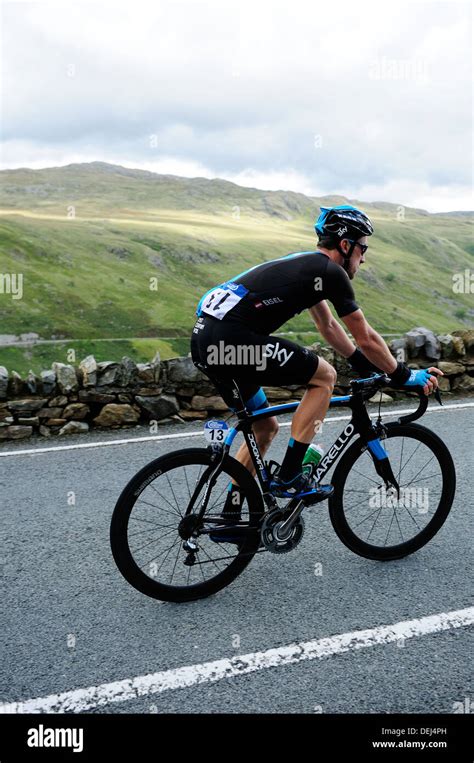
pixel 89 237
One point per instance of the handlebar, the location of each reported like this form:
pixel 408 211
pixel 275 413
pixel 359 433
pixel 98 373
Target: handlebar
pixel 370 385
pixel 418 412
pixel 372 382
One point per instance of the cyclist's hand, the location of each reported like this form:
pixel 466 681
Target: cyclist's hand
pixel 425 378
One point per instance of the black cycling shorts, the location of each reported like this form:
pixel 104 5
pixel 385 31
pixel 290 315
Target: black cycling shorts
pixel 230 352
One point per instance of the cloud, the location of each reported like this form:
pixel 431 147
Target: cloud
pixel 338 98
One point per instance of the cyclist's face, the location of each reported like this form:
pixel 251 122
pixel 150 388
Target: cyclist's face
pixel 357 257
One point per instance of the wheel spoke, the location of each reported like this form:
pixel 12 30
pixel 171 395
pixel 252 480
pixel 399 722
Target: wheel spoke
pixel 202 571
pixel 158 511
pixel 410 514
pixel 162 552
pixel 389 527
pixel 148 521
pixel 356 506
pixel 155 539
pixel 366 477
pixel 379 508
pixel 400 529
pixel 175 510
pixel 175 563
pixel 187 484
pixel 140 532
pixel 160 508
pixel 210 559
pixel 420 470
pixel 393 521
pixel 412 482
pixel 401 460
pixel 375 520
pixel 171 488
pixel 401 470
pixel 209 509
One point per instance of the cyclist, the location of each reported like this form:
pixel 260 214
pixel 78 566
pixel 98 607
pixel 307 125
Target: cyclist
pixel 236 320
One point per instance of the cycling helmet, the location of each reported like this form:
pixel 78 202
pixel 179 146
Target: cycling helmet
pixel 343 222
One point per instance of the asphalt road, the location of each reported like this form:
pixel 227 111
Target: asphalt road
pixel 70 621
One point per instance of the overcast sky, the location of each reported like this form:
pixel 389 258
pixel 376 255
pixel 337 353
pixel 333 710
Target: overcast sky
pixel 371 100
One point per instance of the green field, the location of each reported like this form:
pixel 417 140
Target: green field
pixel 141 249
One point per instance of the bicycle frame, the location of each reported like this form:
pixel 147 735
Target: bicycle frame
pixel 360 424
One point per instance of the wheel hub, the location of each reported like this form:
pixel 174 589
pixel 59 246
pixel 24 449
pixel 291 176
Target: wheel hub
pixel 187 526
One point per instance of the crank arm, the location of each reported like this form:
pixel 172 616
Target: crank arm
pixel 293 517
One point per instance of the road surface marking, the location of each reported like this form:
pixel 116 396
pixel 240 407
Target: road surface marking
pixel 80 700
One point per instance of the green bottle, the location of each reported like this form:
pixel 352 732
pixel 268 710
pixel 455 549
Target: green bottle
pixel 312 457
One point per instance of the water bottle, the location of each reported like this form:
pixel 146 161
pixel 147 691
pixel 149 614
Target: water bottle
pixel 312 458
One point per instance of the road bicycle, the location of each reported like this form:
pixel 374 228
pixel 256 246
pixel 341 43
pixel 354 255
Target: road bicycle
pixel 394 485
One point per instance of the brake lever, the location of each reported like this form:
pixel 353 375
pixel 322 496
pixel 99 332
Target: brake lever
pixel 438 395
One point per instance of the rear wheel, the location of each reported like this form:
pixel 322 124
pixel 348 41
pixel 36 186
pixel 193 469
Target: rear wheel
pixel 376 523
pixel 151 526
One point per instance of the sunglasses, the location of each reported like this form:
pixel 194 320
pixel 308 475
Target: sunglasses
pixel 363 247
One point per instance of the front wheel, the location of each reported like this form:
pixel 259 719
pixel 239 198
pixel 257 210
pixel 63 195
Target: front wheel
pixel 158 543
pixel 375 522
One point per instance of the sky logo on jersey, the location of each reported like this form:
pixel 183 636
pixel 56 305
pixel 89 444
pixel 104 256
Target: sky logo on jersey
pixel 278 353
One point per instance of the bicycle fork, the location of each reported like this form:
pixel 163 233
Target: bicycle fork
pixel 370 435
pixel 190 522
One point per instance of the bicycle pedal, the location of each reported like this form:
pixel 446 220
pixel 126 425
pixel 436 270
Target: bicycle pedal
pixel 312 498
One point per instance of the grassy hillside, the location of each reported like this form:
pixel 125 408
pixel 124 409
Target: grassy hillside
pixel 87 276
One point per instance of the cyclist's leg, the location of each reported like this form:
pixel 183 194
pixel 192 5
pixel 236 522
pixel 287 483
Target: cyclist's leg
pixel 315 403
pixel 281 361
pixel 306 422
pixel 211 333
pixel 288 363
pixel 254 398
pixel 319 377
pixel 264 430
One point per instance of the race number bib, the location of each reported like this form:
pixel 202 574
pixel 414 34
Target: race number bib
pixel 222 299
pixel 215 431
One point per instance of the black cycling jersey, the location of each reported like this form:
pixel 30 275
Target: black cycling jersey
pixel 268 295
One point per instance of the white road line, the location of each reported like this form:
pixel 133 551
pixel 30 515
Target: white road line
pixel 184 435
pixel 79 700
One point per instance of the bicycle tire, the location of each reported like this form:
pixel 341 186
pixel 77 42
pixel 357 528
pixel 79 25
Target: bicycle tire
pixel 342 470
pixel 119 525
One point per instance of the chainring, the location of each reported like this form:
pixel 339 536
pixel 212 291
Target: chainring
pixel 270 528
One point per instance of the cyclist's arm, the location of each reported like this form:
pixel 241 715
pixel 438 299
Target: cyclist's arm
pixel 331 329
pixel 370 342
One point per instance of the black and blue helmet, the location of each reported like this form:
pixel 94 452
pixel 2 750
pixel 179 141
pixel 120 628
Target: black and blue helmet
pixel 342 222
